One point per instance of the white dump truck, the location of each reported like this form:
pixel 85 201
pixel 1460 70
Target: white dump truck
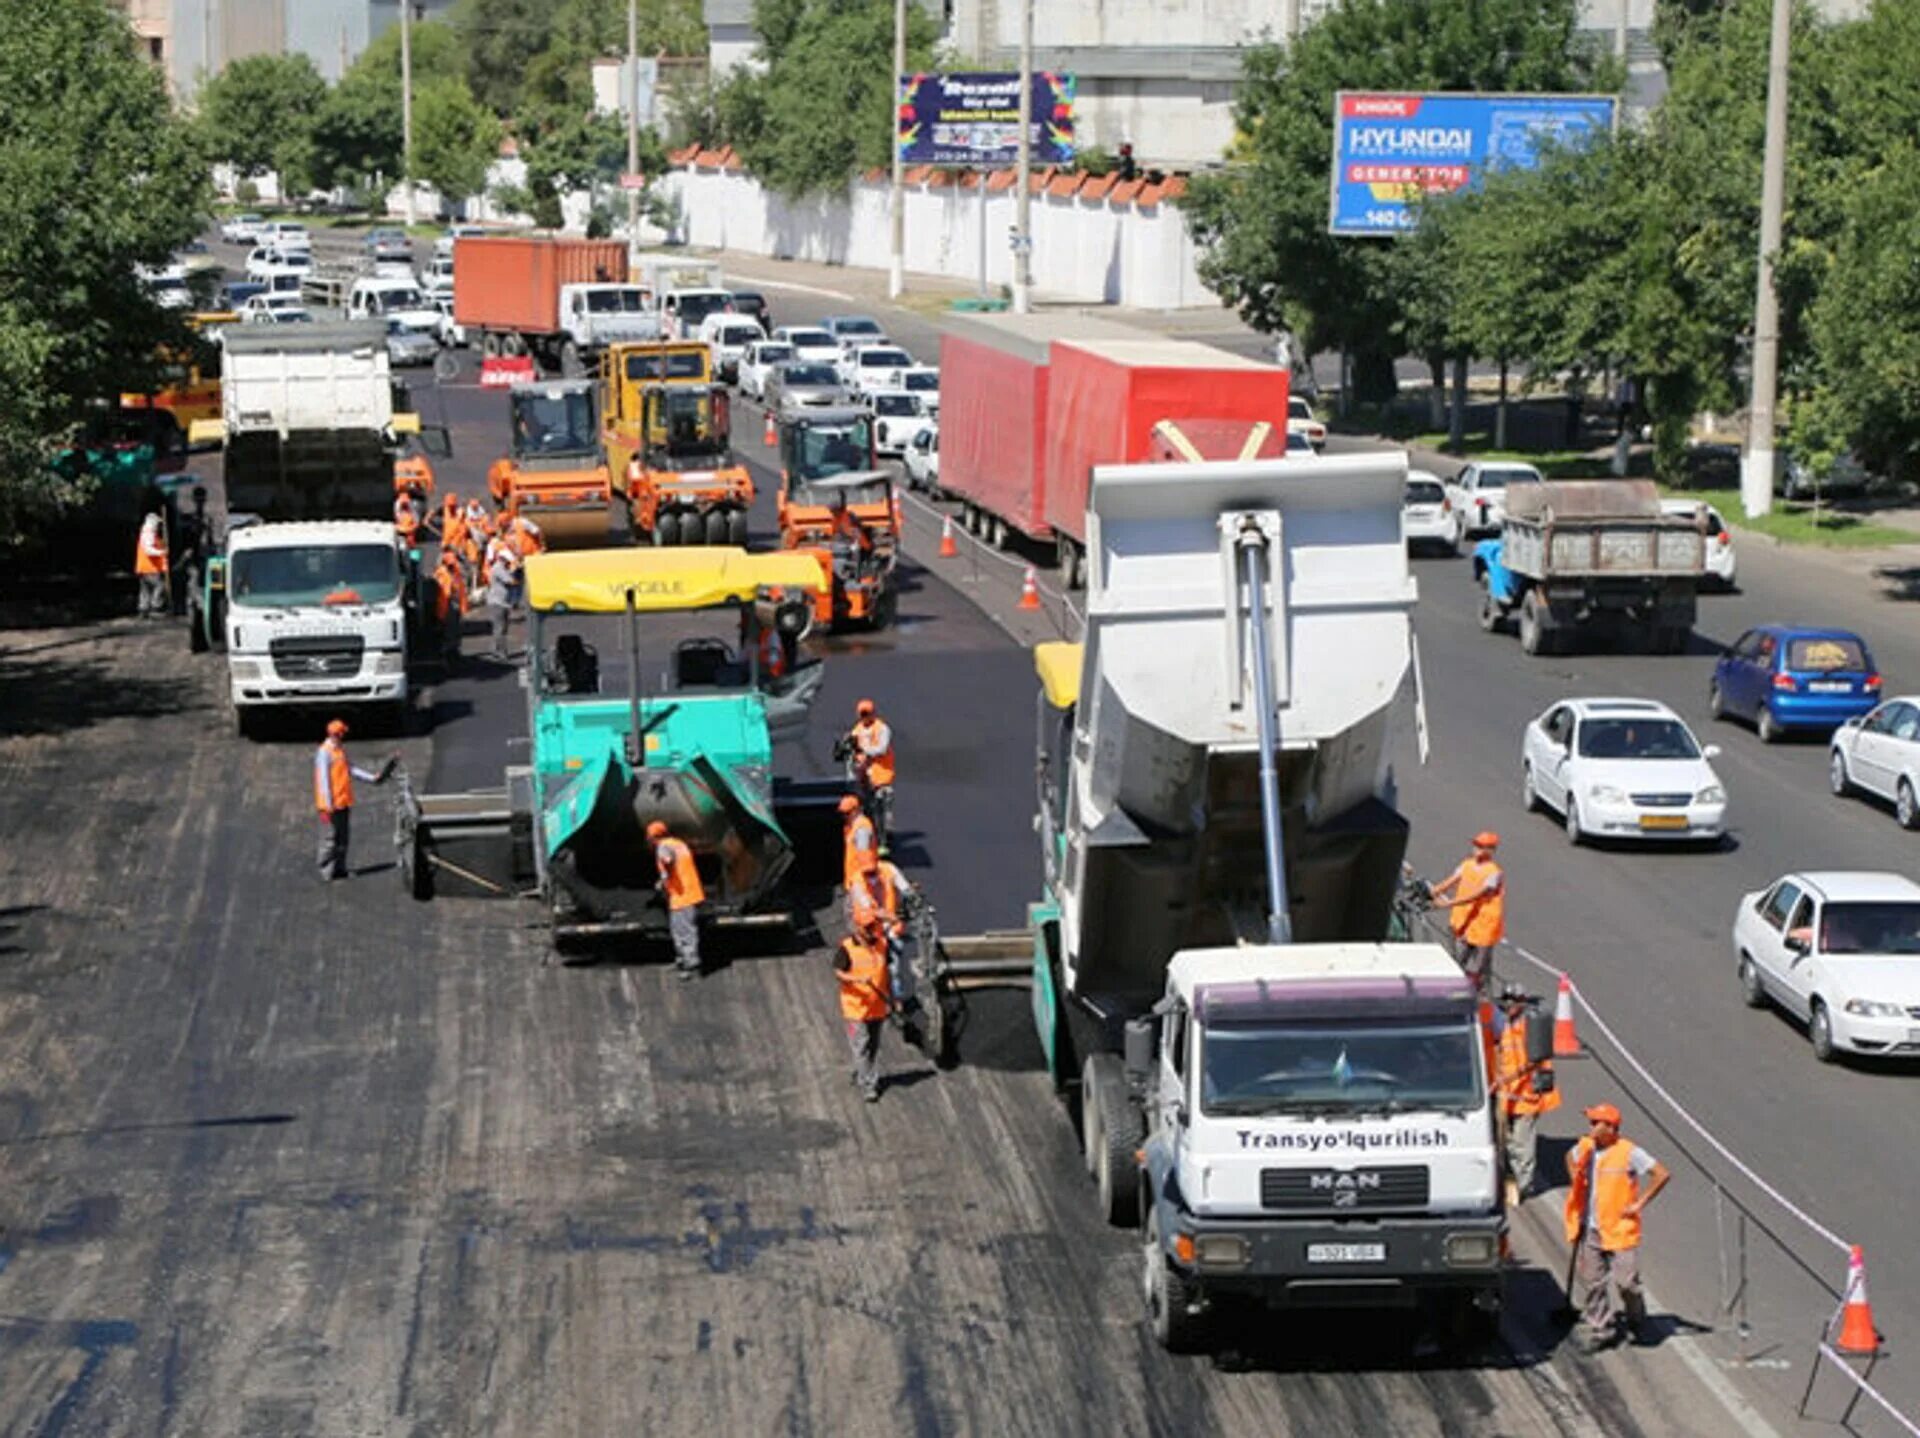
pixel 1293 1106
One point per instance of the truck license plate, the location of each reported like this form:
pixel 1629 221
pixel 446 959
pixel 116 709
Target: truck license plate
pixel 1346 1253
pixel 1663 821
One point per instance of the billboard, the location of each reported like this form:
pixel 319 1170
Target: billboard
pixel 973 120
pixel 1389 147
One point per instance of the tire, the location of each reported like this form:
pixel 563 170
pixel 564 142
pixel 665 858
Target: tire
pixel 999 532
pixel 693 528
pixel 570 366
pixel 1532 631
pixel 737 528
pixel 663 532
pixel 1905 812
pixel 1113 1131
pixel 1575 834
pixel 1171 1296
pixel 1767 726
pixel 1490 615
pixel 886 608
pixel 1752 992
pixel 717 527
pixel 1073 566
pixel 490 345
pixel 1837 779
pixel 969 519
pixel 1529 796
pixel 1716 701
pixel 1820 1033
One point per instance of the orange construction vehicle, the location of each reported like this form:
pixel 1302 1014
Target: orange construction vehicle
pixel 837 505
pixel 553 472
pixel 666 429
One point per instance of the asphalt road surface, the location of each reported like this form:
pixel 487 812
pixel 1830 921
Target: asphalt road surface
pixel 280 1157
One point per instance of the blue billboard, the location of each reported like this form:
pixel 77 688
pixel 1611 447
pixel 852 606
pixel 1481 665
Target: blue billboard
pixel 1388 148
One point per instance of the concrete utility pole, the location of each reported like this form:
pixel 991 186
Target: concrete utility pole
pixel 633 123
pixel 1022 168
pixel 1620 31
pixel 1756 473
pixel 406 103
pixel 897 205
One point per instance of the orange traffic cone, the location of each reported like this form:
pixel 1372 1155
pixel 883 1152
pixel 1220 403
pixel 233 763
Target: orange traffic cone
pixel 771 436
pixel 948 549
pixel 1857 1333
pixel 1029 591
pixel 1565 1042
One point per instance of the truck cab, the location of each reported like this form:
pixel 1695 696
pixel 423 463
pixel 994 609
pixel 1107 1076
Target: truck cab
pixel 667 429
pixel 838 505
pixel 384 297
pixel 598 315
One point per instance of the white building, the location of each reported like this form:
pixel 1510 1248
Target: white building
pixel 193 39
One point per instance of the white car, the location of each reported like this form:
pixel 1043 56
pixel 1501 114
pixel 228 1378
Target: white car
pixel 1620 769
pixel 1720 562
pixel 729 336
pixel 923 460
pixel 168 286
pixel 286 235
pixel 1430 520
pixel 1878 753
pixel 241 229
pixel 897 419
pixel 437 279
pixel 811 344
pixel 451 334
pixel 758 364
pixel 870 367
pixel 265 260
pixel 922 380
pixel 1839 951
pixel 266 308
pixel 1300 420
pixel 1479 492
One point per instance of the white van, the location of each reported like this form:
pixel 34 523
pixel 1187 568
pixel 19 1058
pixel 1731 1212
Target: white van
pixel 377 297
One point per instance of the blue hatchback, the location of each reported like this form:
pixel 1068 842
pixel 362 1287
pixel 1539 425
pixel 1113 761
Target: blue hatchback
pixel 1784 676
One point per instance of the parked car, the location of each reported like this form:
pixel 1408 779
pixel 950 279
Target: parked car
pixel 408 346
pixel 1799 478
pixel 759 363
pixel 1720 560
pixel 728 335
pixel 868 367
pixel 1622 769
pixel 811 344
pixel 1300 420
pixel 897 419
pixel 1430 520
pixel 286 235
pixel 1840 952
pixel 1785 677
pixel 923 460
pixel 922 380
pixel 1479 493
pixel 855 329
pixel 241 229
pixel 804 384
pixel 1879 754
pixel 265 260
pixel 387 243
pixel 754 305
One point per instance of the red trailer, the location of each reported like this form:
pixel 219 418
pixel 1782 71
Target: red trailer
pixel 559 299
pixel 1106 395
pixel 993 415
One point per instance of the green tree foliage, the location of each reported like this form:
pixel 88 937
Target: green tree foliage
pixel 97 176
pixel 357 132
pixel 524 54
pixel 567 152
pixel 258 115
pixel 455 138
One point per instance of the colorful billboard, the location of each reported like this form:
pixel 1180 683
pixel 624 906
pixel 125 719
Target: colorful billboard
pixel 1387 148
pixel 973 120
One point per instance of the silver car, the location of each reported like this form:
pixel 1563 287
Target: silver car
pixel 804 384
pixel 407 346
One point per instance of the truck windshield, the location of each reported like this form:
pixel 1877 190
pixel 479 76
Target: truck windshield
pixel 1338 1067
pixel 314 574
pixel 405 298
pixel 674 364
pixel 554 423
pixel 616 302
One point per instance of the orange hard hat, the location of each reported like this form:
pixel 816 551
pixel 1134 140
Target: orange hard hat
pixel 657 830
pixel 863 708
pixel 1486 839
pixel 849 804
pixel 1604 1113
pixel 336 728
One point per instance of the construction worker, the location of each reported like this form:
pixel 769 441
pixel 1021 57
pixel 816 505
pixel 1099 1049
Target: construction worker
pixel 679 881
pixel 524 535
pixel 1613 1181
pixel 150 565
pixel 449 603
pixel 1477 890
pixel 861 851
pixel 195 540
pixel 413 471
pixel 871 739
pixel 1526 1090
pixel 406 518
pixel 502 576
pixel 333 776
pixel 865 1001
pixel 453 522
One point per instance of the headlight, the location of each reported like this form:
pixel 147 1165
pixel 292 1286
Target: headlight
pixel 245 669
pixel 390 661
pixel 1874 1009
pixel 1472 1250
pixel 1712 794
pixel 1606 794
pixel 1221 1250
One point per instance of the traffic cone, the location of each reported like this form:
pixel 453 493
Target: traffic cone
pixel 1029 591
pixel 770 436
pixel 1857 1333
pixel 948 549
pixel 1565 1042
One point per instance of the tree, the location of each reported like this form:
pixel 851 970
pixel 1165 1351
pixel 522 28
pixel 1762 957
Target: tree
pixel 258 115
pixel 455 139
pixel 97 176
pixel 357 133
pixel 523 53
pixel 567 152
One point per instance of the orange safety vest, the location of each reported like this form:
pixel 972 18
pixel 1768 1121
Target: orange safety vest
pixel 332 778
pixel 875 899
pixel 865 989
pixel 452 595
pixel 1613 1186
pixel 1479 916
pixel 862 851
pixel 1513 1075
pixel 453 526
pixel 677 872
pixel 413 469
pixel 150 550
pixel 525 538
pixel 404 519
pixel 874 740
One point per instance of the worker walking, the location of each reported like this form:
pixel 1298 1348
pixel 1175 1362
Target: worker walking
pixel 1526 1090
pixel 406 516
pixel 877 904
pixel 865 1002
pixel 1477 890
pixel 1613 1181
pixel 871 739
pixel 502 573
pixel 150 565
pixel 679 881
pixel 449 604
pixel 333 776
pixel 860 849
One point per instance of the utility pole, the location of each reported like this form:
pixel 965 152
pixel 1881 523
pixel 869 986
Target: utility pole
pixel 633 124
pixel 897 206
pixel 1620 31
pixel 1022 168
pixel 1756 474
pixel 406 103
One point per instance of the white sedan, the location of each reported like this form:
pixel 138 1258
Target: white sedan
pixel 1839 951
pixel 871 367
pixel 1430 519
pixel 897 420
pixel 1479 492
pixel 241 229
pixel 1720 561
pixel 1878 753
pixel 923 461
pixel 1300 420
pixel 758 364
pixel 811 344
pixel 1622 768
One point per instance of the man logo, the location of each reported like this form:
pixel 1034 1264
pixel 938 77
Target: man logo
pixel 1344 1189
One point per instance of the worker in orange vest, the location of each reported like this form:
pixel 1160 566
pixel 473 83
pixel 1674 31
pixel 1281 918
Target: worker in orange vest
pixel 150 565
pixel 1613 1181
pixel 861 849
pixel 1477 890
pixel 871 739
pixel 449 603
pixel 413 471
pixel 1526 1089
pixel 679 881
pixel 453 523
pixel 865 1001
pixel 406 516
pixel 333 776
pixel 524 535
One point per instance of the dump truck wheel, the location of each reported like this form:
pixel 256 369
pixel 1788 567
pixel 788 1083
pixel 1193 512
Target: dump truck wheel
pixel 1171 1297
pixel 1113 1131
pixel 737 528
pixel 693 529
pixel 717 527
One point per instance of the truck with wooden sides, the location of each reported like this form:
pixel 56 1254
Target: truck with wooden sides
pixel 666 428
pixel 559 299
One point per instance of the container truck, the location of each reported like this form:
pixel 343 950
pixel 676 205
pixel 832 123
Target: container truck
pixel 1295 1108
pixel 560 300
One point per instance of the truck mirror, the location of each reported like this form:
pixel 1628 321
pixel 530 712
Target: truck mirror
pixel 1142 1037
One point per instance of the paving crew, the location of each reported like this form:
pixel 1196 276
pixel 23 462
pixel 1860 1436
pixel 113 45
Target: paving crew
pixel 1613 1181
pixel 449 603
pixel 679 881
pixel 876 908
pixel 861 850
pixel 524 535
pixel 1526 1089
pixel 871 740
pixel 333 776
pixel 150 565
pixel 406 516
pixel 1477 890
pixel 502 575
pixel 865 1001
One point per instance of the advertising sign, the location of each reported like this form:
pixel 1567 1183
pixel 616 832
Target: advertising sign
pixel 1388 148
pixel 973 120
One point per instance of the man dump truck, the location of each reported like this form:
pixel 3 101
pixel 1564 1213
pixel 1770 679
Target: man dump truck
pixel 1589 557
pixel 552 471
pixel 683 733
pixel 666 427
pixel 837 506
pixel 1308 1102
pixel 561 300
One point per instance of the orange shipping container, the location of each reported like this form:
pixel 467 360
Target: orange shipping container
pixel 512 282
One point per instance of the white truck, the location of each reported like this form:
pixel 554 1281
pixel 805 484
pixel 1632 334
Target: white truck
pixel 1294 1106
